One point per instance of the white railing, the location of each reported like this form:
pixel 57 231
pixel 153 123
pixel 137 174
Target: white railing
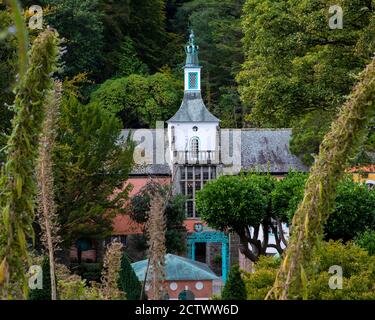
pixel 200 157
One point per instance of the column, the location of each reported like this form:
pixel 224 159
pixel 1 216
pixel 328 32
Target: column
pixel 193 251
pixel 224 260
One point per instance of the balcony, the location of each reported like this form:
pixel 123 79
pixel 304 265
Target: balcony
pixel 200 157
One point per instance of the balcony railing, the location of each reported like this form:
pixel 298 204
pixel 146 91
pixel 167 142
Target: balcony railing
pixel 200 157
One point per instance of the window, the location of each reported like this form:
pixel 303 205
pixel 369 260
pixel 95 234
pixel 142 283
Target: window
pixel 194 147
pixel 193 80
pixel 192 180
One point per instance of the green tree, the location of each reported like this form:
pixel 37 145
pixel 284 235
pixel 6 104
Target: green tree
pixel 129 62
pixel 128 281
pixel 144 22
pixel 90 163
pixel 296 64
pixel 239 204
pixel 139 100
pixel 80 23
pixel 352 213
pixel 45 292
pixel 234 288
pixel 175 215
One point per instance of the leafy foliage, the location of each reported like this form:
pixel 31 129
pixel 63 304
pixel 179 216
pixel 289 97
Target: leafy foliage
pixel 90 163
pixel 80 23
pixel 366 240
pixel 358 274
pixel 352 213
pixel 260 282
pixel 297 68
pixel 139 100
pixel 234 288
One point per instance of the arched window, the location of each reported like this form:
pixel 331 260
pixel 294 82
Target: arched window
pixel 194 147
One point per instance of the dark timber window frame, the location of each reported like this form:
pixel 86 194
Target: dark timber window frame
pixel 193 179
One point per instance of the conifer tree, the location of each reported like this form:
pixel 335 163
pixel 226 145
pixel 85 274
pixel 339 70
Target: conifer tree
pixel 128 281
pixel 235 287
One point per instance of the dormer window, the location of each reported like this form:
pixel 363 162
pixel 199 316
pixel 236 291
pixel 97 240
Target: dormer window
pixel 193 80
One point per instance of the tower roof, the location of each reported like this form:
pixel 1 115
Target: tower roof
pixel 193 109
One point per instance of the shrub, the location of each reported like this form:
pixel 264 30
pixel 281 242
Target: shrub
pixel 366 240
pixel 358 274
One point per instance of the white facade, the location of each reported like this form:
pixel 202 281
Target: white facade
pixel 181 135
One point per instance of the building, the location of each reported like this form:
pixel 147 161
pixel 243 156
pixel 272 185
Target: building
pixel 194 150
pixel 185 279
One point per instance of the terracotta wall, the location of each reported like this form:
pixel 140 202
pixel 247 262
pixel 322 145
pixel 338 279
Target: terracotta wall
pixel 123 224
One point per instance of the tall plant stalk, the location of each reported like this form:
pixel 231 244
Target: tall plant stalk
pixel 155 227
pixel 347 133
pixel 46 202
pixel 18 182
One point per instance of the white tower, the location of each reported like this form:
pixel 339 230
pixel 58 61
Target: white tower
pixel 193 130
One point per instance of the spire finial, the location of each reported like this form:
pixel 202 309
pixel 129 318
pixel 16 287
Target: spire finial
pixel 192 51
pixel 192 38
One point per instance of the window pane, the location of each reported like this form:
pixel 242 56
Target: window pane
pixel 197 173
pixel 190 189
pixel 183 191
pixel 190 173
pixel 197 186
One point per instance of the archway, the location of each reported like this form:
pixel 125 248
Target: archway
pixel 211 237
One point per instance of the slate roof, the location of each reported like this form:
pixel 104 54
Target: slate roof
pixel 261 150
pixel 178 268
pixel 193 109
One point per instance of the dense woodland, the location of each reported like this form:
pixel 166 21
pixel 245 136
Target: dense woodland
pixel 266 64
